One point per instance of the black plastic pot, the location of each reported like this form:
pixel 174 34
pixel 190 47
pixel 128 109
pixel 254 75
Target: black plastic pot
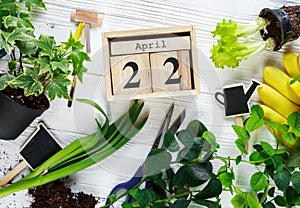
pixel 14 118
pixel 284 24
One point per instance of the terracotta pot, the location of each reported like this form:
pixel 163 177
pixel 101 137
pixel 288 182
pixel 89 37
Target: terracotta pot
pixel 14 118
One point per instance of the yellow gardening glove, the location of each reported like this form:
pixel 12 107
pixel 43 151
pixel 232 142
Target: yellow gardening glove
pixel 281 98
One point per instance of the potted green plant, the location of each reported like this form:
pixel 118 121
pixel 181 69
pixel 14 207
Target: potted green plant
pixel 39 68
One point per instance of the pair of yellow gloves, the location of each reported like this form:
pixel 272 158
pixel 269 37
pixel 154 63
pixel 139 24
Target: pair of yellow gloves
pixel 281 98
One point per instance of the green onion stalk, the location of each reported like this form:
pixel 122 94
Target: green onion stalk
pixel 84 152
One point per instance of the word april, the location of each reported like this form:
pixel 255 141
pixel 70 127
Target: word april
pixel 145 46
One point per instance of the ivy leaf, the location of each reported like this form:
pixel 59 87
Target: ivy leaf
pixel 212 189
pixel 294 122
pixel 29 82
pixel 10 6
pixel 282 179
pixel 46 43
pixel 280 201
pixel 4 80
pixel 296 181
pixel 254 123
pixel 58 88
pixel 63 65
pixel 278 164
pixel 258 181
pixel 30 3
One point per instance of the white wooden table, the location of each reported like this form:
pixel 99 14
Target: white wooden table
pixel 68 124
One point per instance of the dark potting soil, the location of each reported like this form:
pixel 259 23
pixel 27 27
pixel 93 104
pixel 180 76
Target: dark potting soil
pixel 36 102
pixel 57 195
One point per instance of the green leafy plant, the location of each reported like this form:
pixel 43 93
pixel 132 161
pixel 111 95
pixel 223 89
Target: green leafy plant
pixel 237 42
pixel 86 151
pixel 37 65
pixel 181 175
pixel 182 171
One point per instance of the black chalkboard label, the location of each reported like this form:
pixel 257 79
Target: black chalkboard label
pixel 39 147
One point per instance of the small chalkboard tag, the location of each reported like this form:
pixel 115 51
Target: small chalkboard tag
pixel 39 147
pixel 235 99
pixel 36 150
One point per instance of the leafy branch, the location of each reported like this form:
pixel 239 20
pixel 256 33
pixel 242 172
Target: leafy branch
pixel 182 171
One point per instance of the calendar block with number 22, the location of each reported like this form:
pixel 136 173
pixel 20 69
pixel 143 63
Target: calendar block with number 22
pixel 151 63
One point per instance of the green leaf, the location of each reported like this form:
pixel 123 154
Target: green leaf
pixel 157 160
pixel 181 203
pixel 239 200
pixel 181 177
pixel 63 65
pixel 207 203
pixel 294 122
pixel 252 201
pixel 257 111
pixel 254 123
pixel 211 139
pixel 200 171
pixel 212 189
pixel 258 157
pixel 280 201
pixel 170 142
pixel 294 158
pixel 46 43
pixel 267 148
pixel 292 197
pixel 29 83
pixel 10 6
pixel 278 164
pixel 289 138
pixel 282 179
pixel 186 137
pixel 296 181
pixel 187 154
pixel 196 128
pixel 241 145
pixel 241 132
pixel 269 205
pixel 295 80
pixel 226 178
pixel 30 3
pixel 4 80
pixel 58 88
pixel 238 159
pixel 140 197
pixel 258 181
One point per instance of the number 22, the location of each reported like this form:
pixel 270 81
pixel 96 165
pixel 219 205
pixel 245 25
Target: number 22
pixel 135 69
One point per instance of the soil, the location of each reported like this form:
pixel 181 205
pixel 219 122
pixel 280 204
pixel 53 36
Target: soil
pixel 35 102
pixel 57 195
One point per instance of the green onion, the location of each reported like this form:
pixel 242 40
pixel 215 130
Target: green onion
pixel 85 151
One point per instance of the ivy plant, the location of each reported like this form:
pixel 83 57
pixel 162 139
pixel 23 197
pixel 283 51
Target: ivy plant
pixel 182 172
pixel 37 64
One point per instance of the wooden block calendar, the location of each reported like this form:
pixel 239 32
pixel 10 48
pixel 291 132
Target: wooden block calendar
pixel 147 63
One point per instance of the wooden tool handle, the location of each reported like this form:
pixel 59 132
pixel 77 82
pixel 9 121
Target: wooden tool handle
pixel 8 177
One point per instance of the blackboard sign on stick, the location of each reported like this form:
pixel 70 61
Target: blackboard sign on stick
pixel 36 150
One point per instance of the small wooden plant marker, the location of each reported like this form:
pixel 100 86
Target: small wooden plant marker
pixel 36 150
pixel 236 101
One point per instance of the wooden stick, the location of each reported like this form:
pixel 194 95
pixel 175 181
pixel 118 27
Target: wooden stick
pixel 8 177
pixel 240 122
